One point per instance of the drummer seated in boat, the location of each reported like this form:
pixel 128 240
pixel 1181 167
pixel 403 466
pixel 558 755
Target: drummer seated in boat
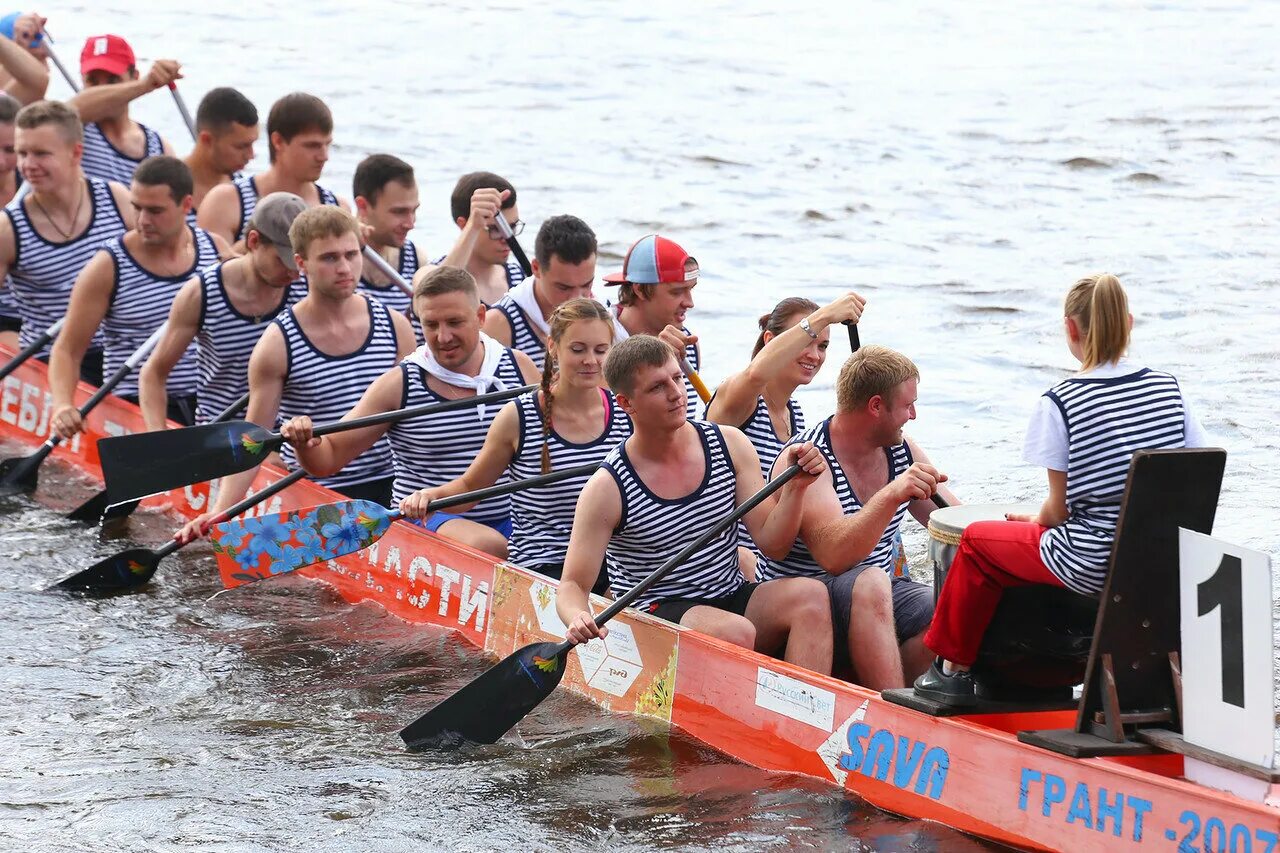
pixel 669 482
pixel 1084 432
pixel 852 514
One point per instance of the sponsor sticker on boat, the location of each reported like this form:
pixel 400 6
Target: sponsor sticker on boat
pixel 795 699
pixel 611 664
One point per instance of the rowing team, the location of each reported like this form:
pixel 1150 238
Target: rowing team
pixel 295 320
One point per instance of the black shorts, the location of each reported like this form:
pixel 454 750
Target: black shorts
pixel 181 410
pixel 90 366
pixel 674 609
pixel 377 491
pixel 10 324
pixel 555 570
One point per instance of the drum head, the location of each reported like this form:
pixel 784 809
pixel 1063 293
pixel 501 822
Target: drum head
pixel 948 523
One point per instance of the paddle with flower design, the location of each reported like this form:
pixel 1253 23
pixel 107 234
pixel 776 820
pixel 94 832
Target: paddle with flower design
pixel 99 508
pixel 142 464
pixel 135 566
pixel 502 695
pixel 259 548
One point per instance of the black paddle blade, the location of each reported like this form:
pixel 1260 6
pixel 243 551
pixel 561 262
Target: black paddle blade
pixel 91 510
pixel 124 570
pixel 20 474
pixel 488 707
pixel 146 463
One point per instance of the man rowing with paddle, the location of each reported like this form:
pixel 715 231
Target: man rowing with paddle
pixel 48 235
pixel 299 133
pixel 114 144
pixel 671 480
pixel 224 311
pixel 386 197
pixel 226 129
pixel 321 355
pixel 457 361
pixel 655 291
pixel 874 475
pixel 564 268
pixel 126 291
pixel 481 250
pixel 24 69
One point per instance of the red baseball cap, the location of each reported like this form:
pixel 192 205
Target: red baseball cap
pixel 654 260
pixel 108 53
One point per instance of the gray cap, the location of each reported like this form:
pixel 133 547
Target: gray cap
pixel 272 218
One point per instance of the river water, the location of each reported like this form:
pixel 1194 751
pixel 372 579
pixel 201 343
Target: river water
pixel 958 165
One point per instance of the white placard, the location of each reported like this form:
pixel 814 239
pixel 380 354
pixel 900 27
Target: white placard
pixel 1227 641
pixel 796 699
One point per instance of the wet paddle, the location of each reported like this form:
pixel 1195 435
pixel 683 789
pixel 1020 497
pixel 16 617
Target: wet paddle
pixel 32 348
pixel 134 567
pixel 142 464
pixel 273 545
pixel 182 108
pixel 500 697
pixel 99 508
pixel 504 228
pixel 23 473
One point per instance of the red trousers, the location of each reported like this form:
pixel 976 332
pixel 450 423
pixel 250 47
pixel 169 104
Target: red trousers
pixel 992 556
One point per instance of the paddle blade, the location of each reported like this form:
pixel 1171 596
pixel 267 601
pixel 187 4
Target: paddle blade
pixel 91 510
pixel 124 570
pixel 147 463
pixel 20 474
pixel 255 548
pixel 489 706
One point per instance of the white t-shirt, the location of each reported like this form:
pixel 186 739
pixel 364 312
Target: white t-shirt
pixel 1046 441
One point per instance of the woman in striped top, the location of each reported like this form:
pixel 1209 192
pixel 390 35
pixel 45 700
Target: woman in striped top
pixel 760 400
pixel 1084 431
pixel 672 480
pixel 571 420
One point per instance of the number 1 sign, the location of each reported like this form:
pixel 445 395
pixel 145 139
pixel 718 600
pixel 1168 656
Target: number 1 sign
pixel 1227 645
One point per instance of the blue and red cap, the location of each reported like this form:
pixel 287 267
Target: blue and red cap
pixel 654 260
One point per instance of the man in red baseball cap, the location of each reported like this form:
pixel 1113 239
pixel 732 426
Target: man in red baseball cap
pixel 114 144
pixel 655 292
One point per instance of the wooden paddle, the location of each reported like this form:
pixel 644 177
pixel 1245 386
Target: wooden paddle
pixel 273 545
pixel 500 697
pixel 695 380
pixel 99 508
pixel 504 228
pixel 134 567
pixel 142 464
pixel 21 474
pixel 32 348
pixel 182 108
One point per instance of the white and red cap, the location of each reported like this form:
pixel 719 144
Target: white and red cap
pixel 655 260
pixel 108 53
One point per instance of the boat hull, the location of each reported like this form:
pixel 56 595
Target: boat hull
pixel 969 773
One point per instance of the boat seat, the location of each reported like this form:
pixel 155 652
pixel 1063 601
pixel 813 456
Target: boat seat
pixel 1132 678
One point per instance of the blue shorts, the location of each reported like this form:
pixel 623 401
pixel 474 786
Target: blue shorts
pixel 433 523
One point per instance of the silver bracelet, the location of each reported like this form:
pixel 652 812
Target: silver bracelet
pixel 804 324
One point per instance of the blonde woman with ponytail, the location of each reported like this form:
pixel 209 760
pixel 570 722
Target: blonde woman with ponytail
pixel 1084 432
pixel 571 420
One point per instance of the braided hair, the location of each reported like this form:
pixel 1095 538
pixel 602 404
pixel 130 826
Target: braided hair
pixel 568 313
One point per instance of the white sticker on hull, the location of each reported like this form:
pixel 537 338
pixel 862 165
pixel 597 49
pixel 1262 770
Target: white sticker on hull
pixel 612 664
pixel 836 745
pixel 796 699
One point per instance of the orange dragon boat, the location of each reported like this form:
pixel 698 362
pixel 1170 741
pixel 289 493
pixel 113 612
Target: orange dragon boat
pixel 969 772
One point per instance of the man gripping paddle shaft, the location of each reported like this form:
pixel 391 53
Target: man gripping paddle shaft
pixel 671 480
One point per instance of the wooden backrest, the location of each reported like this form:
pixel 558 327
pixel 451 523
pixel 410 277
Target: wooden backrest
pixel 1139 615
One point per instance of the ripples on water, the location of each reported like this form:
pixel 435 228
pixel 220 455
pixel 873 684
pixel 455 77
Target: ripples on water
pixel 960 166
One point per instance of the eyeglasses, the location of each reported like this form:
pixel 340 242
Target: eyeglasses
pixel 517 228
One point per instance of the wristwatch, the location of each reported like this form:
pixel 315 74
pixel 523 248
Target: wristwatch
pixel 804 324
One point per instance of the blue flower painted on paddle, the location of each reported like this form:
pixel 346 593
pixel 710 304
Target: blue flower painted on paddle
pixel 231 534
pixel 345 536
pixel 247 558
pixel 310 548
pixel 267 535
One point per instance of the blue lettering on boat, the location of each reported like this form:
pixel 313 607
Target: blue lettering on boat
pixel 1097 809
pixel 877 754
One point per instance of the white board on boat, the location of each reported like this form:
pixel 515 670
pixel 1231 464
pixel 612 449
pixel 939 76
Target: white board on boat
pixel 1226 648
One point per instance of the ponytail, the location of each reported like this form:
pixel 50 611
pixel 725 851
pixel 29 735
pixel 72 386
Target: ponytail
pixel 779 319
pixel 547 398
pixel 1101 310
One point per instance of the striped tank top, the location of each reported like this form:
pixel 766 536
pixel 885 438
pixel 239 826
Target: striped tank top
pixel 692 401
pixel 1107 420
pixel 140 302
pixel 326 387
pixel 800 562
pixel 247 189
pixel 543 517
pixel 191 214
pixel 523 336
pixel 225 339
pixel 759 431
pixel 431 450
pixel 103 160
pixel 652 529
pixel 43 272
